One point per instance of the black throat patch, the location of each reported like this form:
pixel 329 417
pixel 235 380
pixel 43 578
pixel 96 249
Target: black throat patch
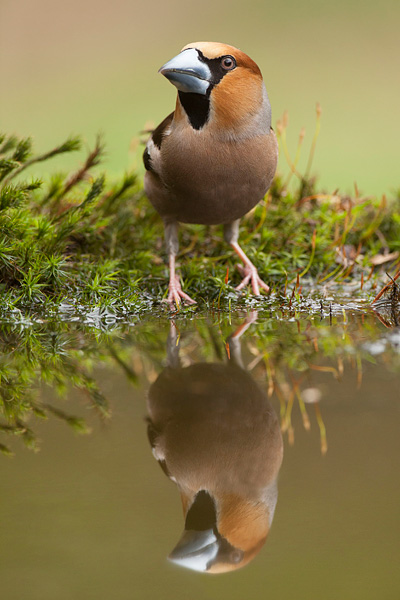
pixel 197 108
pixel 202 514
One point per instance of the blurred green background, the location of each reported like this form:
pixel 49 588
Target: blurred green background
pixel 85 66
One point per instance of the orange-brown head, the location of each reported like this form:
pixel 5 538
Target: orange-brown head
pixel 223 532
pixel 219 87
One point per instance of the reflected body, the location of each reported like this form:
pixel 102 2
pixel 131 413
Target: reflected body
pixel 215 435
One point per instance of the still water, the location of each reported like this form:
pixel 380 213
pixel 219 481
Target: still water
pixel 278 438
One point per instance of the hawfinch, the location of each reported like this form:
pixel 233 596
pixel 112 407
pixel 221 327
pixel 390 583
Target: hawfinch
pixel 215 434
pixel 212 159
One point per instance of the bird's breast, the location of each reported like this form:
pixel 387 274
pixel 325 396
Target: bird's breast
pixel 212 181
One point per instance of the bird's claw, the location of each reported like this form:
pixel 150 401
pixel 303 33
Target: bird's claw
pixel 250 275
pixel 175 293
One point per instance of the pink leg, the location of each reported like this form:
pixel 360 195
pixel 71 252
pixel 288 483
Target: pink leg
pixel 250 319
pixel 234 349
pixel 175 292
pixel 249 272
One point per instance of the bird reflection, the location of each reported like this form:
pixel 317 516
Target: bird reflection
pixel 215 434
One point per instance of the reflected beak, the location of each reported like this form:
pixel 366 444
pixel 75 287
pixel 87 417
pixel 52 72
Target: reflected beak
pixel 195 550
pixel 187 72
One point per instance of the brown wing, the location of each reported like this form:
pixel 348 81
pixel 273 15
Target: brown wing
pixel 153 146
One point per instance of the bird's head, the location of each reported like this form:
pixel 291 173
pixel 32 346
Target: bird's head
pixel 219 85
pixel 222 532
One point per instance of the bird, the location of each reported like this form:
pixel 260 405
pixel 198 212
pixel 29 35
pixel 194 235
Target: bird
pixel 215 434
pixel 214 158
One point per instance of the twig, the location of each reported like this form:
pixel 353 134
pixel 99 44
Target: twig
pixel 92 160
pixel 314 142
pixel 387 286
pixel 70 145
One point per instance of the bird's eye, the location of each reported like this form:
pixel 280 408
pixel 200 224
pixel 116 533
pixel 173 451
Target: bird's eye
pixel 228 63
pixel 236 556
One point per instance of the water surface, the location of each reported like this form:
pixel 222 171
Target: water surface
pixel 289 425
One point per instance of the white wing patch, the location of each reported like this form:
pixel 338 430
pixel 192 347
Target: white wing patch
pixel 155 156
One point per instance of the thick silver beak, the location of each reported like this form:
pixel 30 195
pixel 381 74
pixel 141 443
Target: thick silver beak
pixel 195 550
pixel 187 72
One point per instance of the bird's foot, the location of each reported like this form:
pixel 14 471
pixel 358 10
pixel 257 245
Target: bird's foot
pixel 250 275
pixel 175 293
